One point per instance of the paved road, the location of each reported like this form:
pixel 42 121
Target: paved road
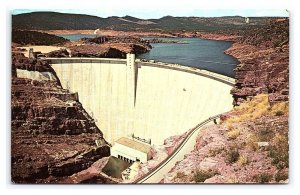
pixel 188 145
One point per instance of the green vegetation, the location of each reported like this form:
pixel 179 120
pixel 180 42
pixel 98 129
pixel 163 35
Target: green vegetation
pixel 62 21
pixel 216 151
pixel 201 175
pixel 263 178
pixel 179 175
pixel 281 176
pixel 35 38
pixel 279 151
pixel 265 135
pixel 279 113
pixel 232 154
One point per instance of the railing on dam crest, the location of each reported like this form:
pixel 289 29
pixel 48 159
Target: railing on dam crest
pixel 178 67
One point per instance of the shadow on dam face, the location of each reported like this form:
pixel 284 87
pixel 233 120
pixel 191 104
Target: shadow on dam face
pixel 160 102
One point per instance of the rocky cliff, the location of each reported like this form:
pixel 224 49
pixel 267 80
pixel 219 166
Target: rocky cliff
pixel 264 62
pixel 52 136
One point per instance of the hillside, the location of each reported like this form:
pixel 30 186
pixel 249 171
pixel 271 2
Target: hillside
pixel 62 21
pixel 250 145
pixel 24 37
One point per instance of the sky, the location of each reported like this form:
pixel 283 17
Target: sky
pixel 154 14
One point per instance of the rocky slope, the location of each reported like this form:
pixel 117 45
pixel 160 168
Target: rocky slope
pixel 264 63
pixel 52 136
pixel 251 143
pixel 249 146
pixel 263 54
pixel 19 61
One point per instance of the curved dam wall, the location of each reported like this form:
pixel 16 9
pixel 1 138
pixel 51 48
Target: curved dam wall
pixel 150 100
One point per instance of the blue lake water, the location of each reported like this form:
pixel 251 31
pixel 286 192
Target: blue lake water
pixel 200 53
pixel 76 37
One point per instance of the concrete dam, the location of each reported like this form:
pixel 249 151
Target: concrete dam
pixel 150 100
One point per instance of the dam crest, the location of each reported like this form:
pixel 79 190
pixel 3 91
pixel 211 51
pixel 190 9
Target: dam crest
pixel 152 100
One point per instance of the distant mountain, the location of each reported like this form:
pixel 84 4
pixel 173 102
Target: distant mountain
pixel 53 20
pixel 63 21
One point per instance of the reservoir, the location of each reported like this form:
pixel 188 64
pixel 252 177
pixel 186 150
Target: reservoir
pixel 76 37
pixel 194 52
pixel 200 53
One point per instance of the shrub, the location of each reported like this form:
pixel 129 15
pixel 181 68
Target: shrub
pixel 281 176
pixel 263 178
pixel 279 151
pixel 265 135
pixel 280 108
pixel 251 142
pixel 280 158
pixel 201 175
pixel 257 107
pixel 276 43
pixel 214 152
pixel 243 160
pixel 233 134
pixel 179 175
pixel 251 109
pixel 279 113
pixel 232 155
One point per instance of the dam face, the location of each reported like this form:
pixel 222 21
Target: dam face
pixel 151 101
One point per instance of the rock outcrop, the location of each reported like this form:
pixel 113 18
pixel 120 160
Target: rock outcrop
pixel 62 53
pixel 19 61
pixel 98 51
pixel 264 63
pixel 123 44
pixel 92 175
pixel 106 50
pixel 52 136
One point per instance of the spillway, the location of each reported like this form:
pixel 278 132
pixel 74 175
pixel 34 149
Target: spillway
pixel 150 100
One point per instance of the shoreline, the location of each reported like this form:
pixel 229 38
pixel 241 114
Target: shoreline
pixel 205 35
pixel 202 35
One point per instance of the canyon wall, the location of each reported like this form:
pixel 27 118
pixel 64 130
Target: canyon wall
pixel 151 101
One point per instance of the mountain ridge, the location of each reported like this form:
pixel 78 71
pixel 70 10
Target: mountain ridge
pixel 66 21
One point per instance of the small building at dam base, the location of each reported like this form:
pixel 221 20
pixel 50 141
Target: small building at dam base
pixel 130 150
